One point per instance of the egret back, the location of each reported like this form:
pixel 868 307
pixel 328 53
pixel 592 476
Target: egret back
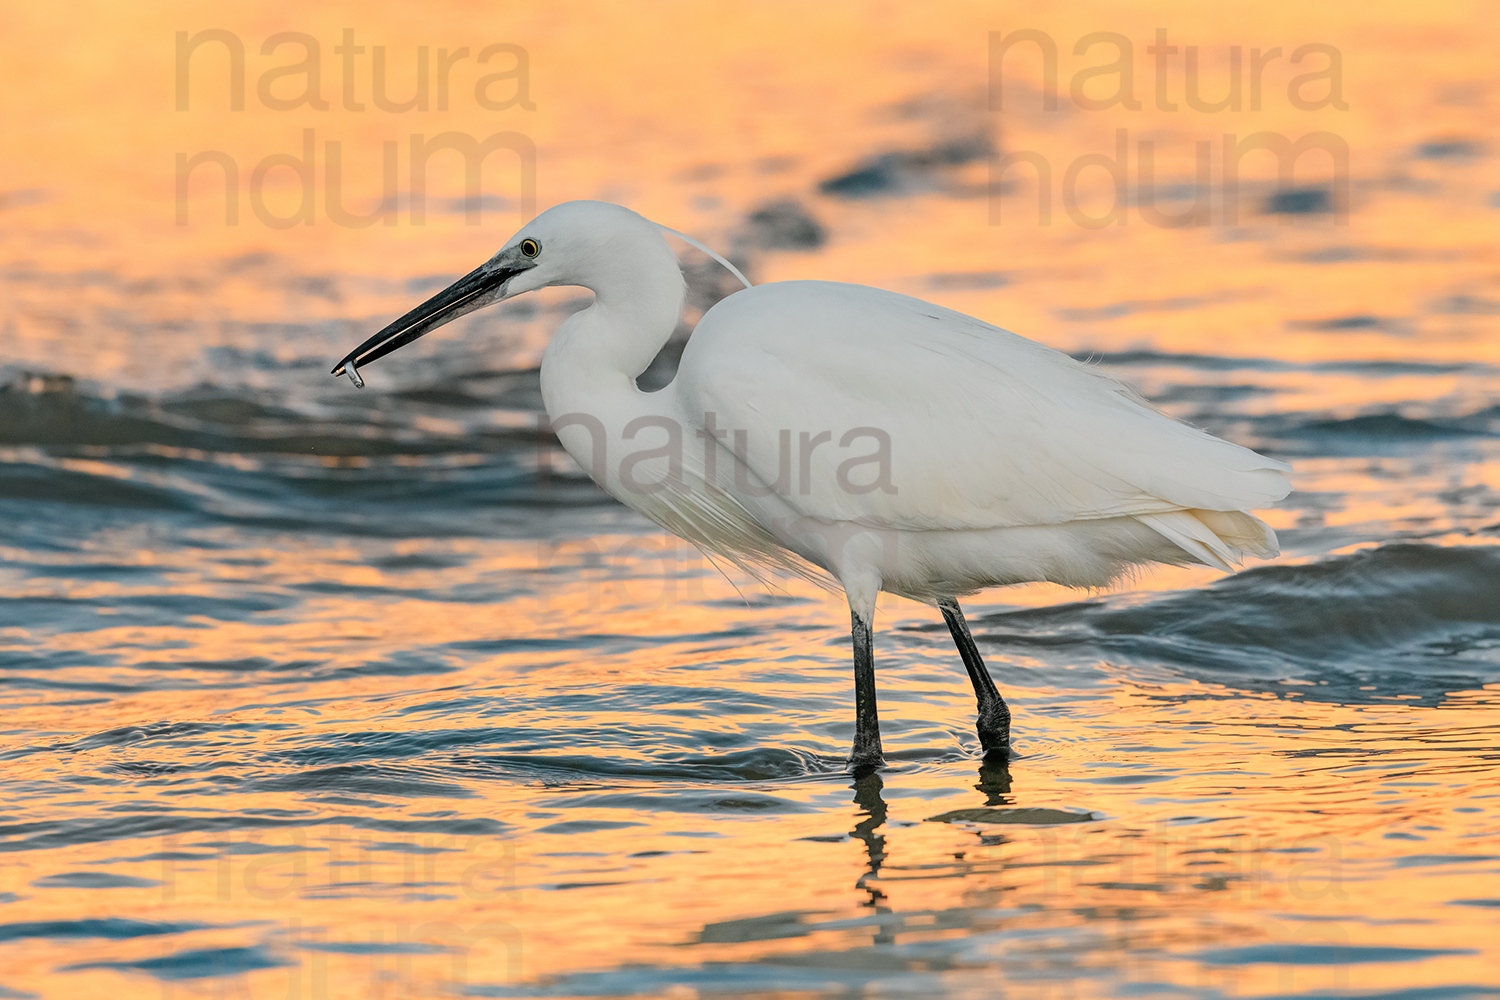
pixel 985 429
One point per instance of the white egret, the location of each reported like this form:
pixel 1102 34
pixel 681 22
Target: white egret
pixel 890 442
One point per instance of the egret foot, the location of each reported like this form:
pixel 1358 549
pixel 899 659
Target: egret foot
pixel 867 754
pixel 993 727
pixel 993 722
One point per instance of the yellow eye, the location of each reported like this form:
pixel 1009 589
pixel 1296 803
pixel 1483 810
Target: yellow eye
pixel 530 247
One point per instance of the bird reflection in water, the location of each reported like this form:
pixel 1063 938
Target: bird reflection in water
pixel 872 805
pixel 873 810
pixel 994 782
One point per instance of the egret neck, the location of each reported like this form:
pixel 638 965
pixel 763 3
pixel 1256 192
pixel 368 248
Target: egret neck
pixel 591 363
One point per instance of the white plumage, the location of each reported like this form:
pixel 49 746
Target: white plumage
pixel 989 431
pixel 893 443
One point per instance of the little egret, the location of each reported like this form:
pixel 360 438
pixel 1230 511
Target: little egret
pixel 894 444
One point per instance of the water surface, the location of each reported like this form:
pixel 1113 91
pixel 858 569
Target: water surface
pixel 318 693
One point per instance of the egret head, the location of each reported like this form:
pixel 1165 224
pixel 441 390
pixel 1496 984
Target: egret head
pixel 576 243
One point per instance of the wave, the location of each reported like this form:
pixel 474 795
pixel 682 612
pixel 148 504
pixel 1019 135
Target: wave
pixel 1220 362
pixel 1414 620
pixel 53 411
pixel 375 463
pixel 50 834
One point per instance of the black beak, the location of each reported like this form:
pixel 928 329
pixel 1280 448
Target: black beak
pixel 452 302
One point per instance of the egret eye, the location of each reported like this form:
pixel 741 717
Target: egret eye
pixel 530 248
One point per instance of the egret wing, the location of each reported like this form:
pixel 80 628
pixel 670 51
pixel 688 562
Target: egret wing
pixel 980 428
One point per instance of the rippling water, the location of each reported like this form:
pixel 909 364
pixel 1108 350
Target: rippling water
pixel 311 692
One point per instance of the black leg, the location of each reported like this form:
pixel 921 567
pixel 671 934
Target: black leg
pixel 994 715
pixel 867 753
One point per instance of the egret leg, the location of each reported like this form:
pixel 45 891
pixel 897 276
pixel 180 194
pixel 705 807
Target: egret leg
pixel 993 722
pixel 867 751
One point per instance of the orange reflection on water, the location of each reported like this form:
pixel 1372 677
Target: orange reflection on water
pixel 1279 847
pixel 624 830
pixel 613 118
